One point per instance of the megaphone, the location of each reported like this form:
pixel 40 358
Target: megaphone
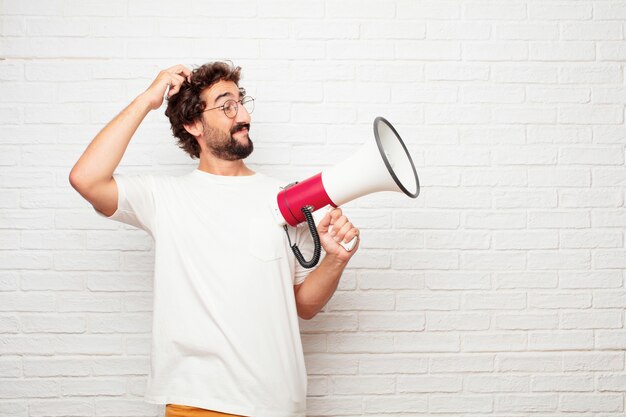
pixel 382 165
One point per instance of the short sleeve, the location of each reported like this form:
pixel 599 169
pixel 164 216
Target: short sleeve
pixel 135 201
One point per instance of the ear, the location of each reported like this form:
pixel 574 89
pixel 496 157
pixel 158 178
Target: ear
pixel 195 128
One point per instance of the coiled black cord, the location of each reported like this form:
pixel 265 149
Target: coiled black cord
pixel 317 247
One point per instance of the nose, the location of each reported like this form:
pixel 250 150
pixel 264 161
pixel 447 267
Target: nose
pixel 242 114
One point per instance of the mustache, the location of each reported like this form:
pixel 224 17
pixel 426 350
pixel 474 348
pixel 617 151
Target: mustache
pixel 238 127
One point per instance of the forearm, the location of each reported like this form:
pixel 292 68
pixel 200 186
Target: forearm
pixel 319 287
pixel 99 161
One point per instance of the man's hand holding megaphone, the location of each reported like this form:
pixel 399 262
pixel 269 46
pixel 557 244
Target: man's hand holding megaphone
pixel 383 165
pixel 335 228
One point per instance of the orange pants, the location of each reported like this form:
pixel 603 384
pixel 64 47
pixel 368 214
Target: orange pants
pixel 175 410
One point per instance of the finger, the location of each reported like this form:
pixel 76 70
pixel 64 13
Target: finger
pixel 341 232
pixel 335 214
pixel 173 90
pixel 323 225
pixel 179 68
pixel 338 224
pixel 351 234
pixel 175 83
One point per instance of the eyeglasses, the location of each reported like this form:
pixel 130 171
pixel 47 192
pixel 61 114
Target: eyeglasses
pixel 231 107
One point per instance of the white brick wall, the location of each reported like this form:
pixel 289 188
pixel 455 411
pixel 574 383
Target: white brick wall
pixel 498 292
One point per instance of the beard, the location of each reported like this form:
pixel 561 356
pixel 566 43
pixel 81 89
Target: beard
pixel 226 147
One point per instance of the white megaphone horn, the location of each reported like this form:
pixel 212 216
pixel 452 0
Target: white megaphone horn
pixel 383 165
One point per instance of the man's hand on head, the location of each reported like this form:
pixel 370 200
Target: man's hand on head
pixel 171 78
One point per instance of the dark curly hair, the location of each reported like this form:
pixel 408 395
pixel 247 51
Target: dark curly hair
pixel 186 106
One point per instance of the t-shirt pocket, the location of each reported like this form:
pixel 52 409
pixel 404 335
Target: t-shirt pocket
pixel 266 238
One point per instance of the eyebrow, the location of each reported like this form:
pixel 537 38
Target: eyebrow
pixel 226 94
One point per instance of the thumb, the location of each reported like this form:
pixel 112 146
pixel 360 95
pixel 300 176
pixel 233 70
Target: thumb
pixel 324 224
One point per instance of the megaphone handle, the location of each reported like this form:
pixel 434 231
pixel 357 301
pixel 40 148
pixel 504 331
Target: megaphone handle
pixel 350 245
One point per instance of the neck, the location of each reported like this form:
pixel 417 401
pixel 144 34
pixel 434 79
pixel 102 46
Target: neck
pixel 226 168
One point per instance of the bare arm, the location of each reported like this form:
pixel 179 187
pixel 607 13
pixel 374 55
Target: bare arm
pixel 320 285
pixel 92 175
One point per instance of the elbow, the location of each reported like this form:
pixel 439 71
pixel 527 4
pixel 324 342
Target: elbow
pixel 307 314
pixel 74 179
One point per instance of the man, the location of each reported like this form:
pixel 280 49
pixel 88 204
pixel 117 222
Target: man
pixel 227 289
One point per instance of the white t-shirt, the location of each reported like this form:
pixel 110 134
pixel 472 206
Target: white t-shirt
pixel 225 334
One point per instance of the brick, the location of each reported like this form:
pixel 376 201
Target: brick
pixel 457 321
pixel 333 406
pixel 559 11
pixel 610 340
pixel 591 114
pixel 561 260
pixel 427 50
pixel 611 383
pixel 526 279
pixel 558 95
pixel 562 51
pixel 592 361
pixel 609 299
pixel 499 94
pixel 524 199
pixel 492 261
pixel 609 259
pixel 526 321
pixel 560 341
pixel 533 74
pixel 396 403
pixel 460 404
pixel 125 408
pixel 495 51
pixel 561 383
pixel 592 402
pixel 581 239
pixel 388 364
pixel 560 134
pixel 494 342
pixel 591 74
pixel 428 384
pixel 362 385
pixel 559 300
pixel 360 343
pixel 123 323
pixel 495 220
pixel 559 177
pixel 492 383
pixel 463 198
pixel 529 362
pixel 456 240
pixel 426 342
pixel 407 9
pixel 462 363
pixel 527 31
pixel 493 10
pixel 391 322
pixel 558 219
pixel 593 279
pixel 455 29
pixel 525 240
pixel 494 177
pixel 423 259
pixel 374 30
pixel 592 320
pixel 456 72
pixel 610 11
pixel 527 403
pixel 429 301
pixel 457 281
pixel 52 324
